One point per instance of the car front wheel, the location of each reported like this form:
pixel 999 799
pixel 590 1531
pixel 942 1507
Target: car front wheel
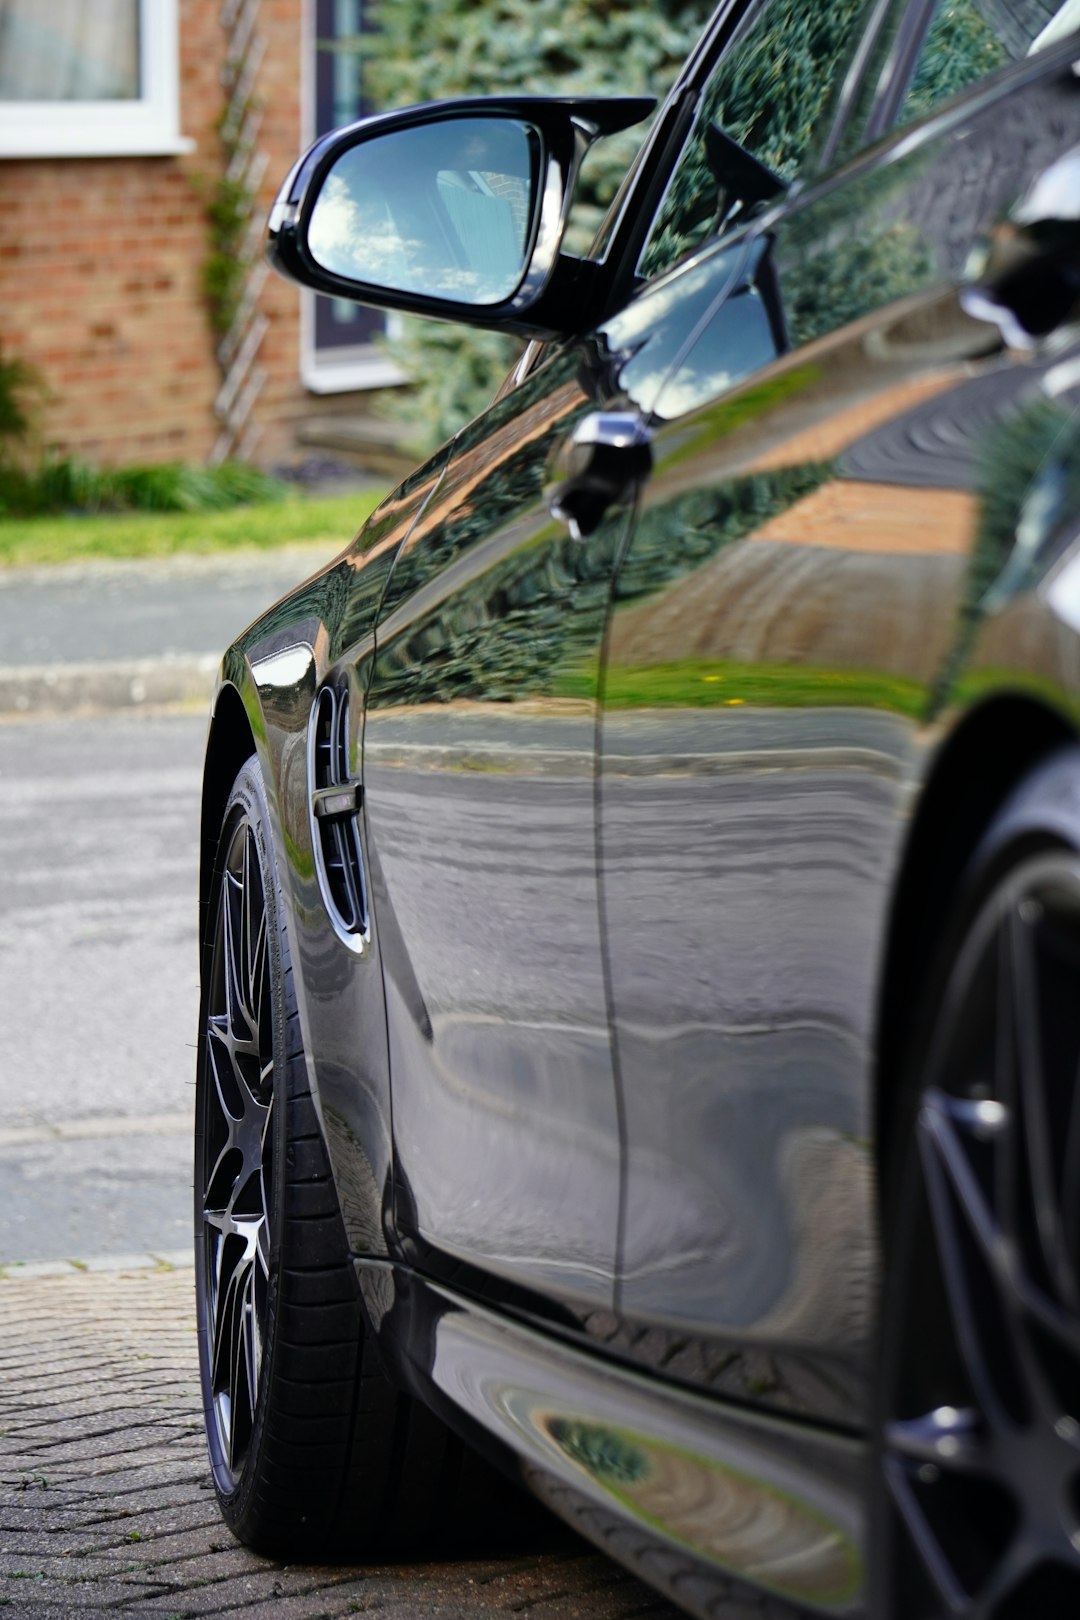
pixel 313 1450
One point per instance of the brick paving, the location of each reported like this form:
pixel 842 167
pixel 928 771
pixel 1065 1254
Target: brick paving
pixel 106 1505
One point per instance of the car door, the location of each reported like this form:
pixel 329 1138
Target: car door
pixel 479 757
pixel 788 617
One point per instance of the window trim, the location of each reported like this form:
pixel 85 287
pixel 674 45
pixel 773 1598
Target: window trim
pixel 145 127
pixel 363 366
pixel 350 370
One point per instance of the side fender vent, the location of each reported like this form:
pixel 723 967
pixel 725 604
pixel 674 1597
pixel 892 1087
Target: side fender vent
pixel 336 801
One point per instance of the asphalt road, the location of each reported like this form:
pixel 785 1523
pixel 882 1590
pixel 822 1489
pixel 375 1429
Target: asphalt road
pixel 98 861
pixel 83 613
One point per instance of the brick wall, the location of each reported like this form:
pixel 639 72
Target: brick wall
pixel 100 266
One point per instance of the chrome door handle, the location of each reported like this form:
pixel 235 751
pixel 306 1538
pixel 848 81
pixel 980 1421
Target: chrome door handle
pixel 606 458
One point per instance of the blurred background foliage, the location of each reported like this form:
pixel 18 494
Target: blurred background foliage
pixel 429 50
pixel 961 48
pixel 35 482
pixel 769 94
pixel 769 100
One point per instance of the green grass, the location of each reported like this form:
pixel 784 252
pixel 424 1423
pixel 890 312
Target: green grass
pixel 40 541
pixel 702 684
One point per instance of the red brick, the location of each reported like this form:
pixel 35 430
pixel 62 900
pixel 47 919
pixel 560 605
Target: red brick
pixel 102 290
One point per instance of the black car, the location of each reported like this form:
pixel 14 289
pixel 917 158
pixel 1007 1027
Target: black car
pixel 641 874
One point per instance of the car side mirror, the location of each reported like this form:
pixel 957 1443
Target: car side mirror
pixel 455 210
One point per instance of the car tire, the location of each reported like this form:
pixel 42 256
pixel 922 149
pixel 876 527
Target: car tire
pixel 977 1449
pixel 313 1451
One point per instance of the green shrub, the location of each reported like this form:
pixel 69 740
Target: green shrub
pixel 66 484
pixel 224 272
pixel 429 50
pixel 961 48
pixel 21 389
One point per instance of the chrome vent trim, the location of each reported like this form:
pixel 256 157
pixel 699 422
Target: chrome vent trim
pixel 334 804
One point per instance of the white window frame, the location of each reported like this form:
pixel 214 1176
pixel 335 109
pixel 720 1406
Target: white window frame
pixel 148 126
pixel 348 370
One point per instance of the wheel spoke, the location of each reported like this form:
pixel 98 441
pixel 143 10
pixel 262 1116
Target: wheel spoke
pixel 244 949
pixel 225 1301
pixel 230 1106
pixel 237 1129
pixel 252 1338
pixel 231 904
pixel 1017 1561
pixel 254 936
pixel 975 1258
pixel 936 1564
pixel 1029 1086
pixel 238 1403
pixel 216 1208
pixel 981 1451
pixel 237 1348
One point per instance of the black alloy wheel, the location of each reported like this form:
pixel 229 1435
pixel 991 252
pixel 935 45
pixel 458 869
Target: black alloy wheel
pixel 314 1451
pixel 979 1426
pixel 237 1161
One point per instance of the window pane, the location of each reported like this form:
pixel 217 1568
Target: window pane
pixel 766 100
pixel 340 29
pixel 69 50
pixel 969 40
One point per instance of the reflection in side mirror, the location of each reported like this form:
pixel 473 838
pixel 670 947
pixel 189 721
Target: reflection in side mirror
pixel 447 209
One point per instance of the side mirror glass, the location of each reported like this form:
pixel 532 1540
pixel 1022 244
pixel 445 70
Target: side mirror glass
pixel 447 209
pixel 455 210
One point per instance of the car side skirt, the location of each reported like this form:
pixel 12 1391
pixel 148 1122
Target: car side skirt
pixel 695 1495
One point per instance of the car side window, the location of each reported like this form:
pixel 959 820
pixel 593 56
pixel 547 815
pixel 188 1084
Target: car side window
pixel 970 40
pixel 764 102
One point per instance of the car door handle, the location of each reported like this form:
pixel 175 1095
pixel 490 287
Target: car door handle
pixel 1026 278
pixel 606 458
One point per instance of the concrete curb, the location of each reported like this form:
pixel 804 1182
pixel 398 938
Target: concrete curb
pixel 124 684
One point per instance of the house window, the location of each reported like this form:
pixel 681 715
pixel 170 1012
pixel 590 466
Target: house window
pixel 339 351
pixel 89 78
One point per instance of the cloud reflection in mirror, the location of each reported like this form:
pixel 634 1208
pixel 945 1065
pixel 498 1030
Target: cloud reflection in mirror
pixel 444 210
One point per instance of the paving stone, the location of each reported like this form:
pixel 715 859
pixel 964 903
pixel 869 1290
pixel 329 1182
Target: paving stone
pixel 41 1268
pixel 106 1507
pixel 122 1262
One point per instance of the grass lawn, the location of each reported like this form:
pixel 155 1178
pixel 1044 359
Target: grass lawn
pixel 38 541
pixel 703 684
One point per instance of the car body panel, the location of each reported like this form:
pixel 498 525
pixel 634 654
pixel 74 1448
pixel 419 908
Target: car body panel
pixel 276 667
pixel 479 754
pixel 645 818
pixel 692 1494
pixel 791 643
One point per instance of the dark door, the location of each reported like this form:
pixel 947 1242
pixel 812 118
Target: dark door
pixel 787 616
pixel 479 768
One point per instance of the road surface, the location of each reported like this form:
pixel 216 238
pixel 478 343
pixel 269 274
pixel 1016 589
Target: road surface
pixel 98 929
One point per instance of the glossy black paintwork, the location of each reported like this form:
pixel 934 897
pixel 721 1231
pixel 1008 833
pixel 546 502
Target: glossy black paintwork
pixel 790 616
pixel 478 762
pixel 277 668
pixel 689 1493
pixel 648 815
